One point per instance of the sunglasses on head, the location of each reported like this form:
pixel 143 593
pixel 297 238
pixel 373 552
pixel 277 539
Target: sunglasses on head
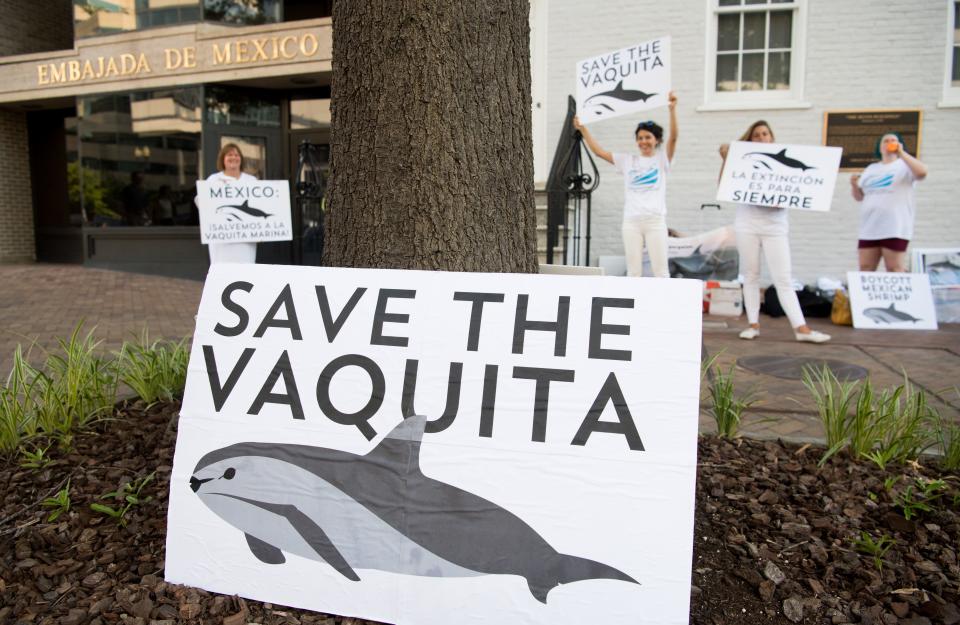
pixel 646 125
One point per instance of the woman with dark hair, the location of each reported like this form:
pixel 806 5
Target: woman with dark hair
pixel 645 190
pixel 886 214
pixel 230 170
pixel 764 229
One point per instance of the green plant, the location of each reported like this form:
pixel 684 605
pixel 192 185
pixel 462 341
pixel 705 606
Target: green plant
pixel 905 421
pixel 36 459
pixel 876 548
pixel 156 370
pixel 59 502
pixel 726 407
pixel 127 496
pixel 948 438
pixel 833 399
pixel 16 404
pixel 913 503
pixel 891 481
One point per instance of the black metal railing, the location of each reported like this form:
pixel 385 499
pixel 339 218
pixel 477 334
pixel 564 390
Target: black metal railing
pixel 310 189
pixel 569 186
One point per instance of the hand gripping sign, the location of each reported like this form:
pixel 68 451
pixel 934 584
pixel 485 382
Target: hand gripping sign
pixel 430 447
pixel 244 212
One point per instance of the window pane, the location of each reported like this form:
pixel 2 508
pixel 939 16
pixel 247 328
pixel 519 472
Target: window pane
pixel 728 32
pixel 242 11
pixel 729 3
pixel 956 18
pixel 233 107
pixel 140 158
pixel 754 31
pixel 752 72
pixel 778 70
pixel 781 26
pixel 727 72
pixel 755 2
pixel 955 81
pixel 310 113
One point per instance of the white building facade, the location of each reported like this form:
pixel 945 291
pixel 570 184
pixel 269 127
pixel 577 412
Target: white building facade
pixel 785 61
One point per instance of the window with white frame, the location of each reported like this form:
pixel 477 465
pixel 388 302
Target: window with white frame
pixel 755 51
pixel 951 83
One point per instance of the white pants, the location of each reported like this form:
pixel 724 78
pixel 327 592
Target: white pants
pixel 653 230
pixel 776 249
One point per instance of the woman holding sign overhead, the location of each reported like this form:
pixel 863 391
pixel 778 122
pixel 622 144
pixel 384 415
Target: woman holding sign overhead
pixel 886 215
pixel 645 190
pixel 230 166
pixel 764 228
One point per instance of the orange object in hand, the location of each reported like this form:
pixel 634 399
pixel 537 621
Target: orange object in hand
pixel 893 147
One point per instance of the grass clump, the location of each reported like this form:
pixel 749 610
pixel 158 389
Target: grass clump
pixel 155 370
pixel 726 407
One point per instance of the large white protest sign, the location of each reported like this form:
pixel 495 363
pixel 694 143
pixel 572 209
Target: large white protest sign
pixel 781 175
pixel 244 212
pixel 635 78
pixel 545 472
pixel 891 301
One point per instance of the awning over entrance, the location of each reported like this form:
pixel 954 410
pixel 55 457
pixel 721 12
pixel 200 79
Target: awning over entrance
pixel 180 55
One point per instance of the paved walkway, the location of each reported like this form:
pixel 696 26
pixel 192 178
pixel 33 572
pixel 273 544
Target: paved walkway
pixel 40 303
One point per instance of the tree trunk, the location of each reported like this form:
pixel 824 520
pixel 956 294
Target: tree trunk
pixel 431 149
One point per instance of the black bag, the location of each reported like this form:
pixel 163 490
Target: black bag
pixel 812 303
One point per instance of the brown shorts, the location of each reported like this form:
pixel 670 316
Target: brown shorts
pixel 897 245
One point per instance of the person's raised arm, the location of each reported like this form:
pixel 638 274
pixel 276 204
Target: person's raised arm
pixel 919 170
pixel 855 187
pixel 591 142
pixel 672 137
pixel 724 149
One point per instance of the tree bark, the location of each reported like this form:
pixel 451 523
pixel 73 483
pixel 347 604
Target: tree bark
pixel 431 148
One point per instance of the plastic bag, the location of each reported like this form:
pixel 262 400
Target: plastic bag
pixel 840 312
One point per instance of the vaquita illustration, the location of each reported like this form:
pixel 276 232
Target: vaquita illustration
pixel 376 511
pixel 761 158
pixel 241 212
pixel 889 315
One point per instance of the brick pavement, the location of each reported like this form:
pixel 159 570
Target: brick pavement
pixel 42 302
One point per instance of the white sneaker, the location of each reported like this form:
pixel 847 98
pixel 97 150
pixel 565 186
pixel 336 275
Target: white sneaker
pixel 812 337
pixel 750 333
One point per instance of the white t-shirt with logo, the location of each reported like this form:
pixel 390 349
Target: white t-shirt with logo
pixel 245 252
pixel 644 184
pixel 888 208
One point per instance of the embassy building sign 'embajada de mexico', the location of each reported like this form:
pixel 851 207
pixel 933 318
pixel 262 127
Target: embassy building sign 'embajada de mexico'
pixel 120 106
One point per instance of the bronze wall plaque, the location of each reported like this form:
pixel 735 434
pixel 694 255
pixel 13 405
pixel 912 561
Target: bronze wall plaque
pixel 857 133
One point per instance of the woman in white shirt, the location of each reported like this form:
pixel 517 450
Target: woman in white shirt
pixel 764 228
pixel 885 189
pixel 230 170
pixel 645 191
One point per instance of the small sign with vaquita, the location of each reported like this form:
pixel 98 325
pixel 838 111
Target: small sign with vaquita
pixel 244 211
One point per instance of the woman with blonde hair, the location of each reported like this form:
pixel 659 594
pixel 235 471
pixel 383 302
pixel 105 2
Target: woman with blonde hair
pixel 230 170
pixel 764 229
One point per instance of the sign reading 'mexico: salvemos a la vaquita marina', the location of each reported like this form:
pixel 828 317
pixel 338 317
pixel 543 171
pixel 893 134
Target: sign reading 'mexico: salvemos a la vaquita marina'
pixel 244 212
pixel 431 448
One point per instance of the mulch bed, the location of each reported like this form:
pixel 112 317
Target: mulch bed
pixel 773 540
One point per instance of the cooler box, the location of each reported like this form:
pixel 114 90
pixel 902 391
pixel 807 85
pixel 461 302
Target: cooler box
pixel 722 297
